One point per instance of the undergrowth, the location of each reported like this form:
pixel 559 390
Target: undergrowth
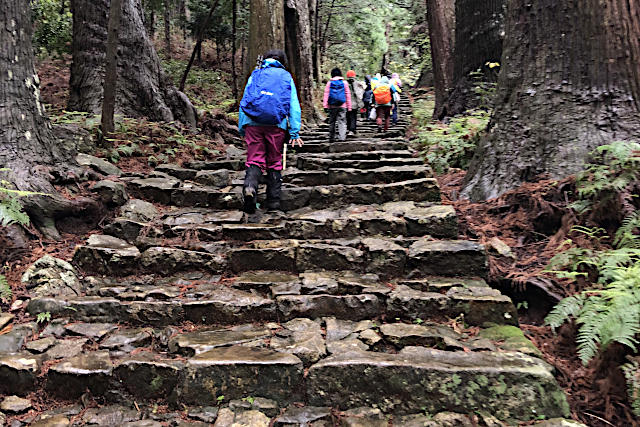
pixel 608 311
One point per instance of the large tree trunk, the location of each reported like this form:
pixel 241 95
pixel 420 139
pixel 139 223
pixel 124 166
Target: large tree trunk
pixel 441 16
pixel 111 69
pixel 266 30
pixel 479 32
pixel 28 149
pixel 298 42
pixel 569 83
pixel 314 9
pixel 143 88
pixel 167 28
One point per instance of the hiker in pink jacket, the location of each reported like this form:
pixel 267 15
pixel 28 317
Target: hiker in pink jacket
pixel 336 102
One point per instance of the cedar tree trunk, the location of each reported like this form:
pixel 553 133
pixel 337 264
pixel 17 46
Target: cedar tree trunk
pixel 143 88
pixel 569 83
pixel 441 16
pixel 266 30
pixel 479 32
pixel 298 42
pixel 29 152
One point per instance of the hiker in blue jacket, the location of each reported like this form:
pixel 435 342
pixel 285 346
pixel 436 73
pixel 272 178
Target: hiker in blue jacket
pixel 269 115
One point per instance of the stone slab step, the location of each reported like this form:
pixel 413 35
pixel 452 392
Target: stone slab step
pixel 351 146
pixel 355 176
pixel 509 386
pixel 392 219
pixel 318 163
pixel 169 191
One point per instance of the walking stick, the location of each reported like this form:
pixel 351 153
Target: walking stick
pixel 284 157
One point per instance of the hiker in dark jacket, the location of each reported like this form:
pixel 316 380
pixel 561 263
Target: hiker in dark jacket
pixel 366 98
pixel 269 116
pixel 337 101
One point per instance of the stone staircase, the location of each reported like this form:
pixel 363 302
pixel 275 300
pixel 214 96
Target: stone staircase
pixel 356 306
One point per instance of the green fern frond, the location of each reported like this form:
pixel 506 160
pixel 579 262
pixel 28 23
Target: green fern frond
pixel 628 235
pixel 5 290
pixel 631 372
pixel 566 309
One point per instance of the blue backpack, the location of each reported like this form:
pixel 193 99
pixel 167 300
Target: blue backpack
pixel 267 99
pixel 337 93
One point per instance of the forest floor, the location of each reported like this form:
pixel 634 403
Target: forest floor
pixel 526 226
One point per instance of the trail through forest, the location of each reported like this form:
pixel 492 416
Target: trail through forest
pixel 476 264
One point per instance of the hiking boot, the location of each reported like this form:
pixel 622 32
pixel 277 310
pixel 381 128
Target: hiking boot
pixel 274 187
pixel 250 188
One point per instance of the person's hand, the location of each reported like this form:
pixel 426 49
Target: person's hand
pixel 297 141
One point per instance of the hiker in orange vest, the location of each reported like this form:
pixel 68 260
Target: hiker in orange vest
pixel 383 98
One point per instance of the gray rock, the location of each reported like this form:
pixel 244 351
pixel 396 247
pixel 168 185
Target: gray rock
pixel 305 340
pixel 72 377
pixel 107 255
pixel 51 276
pixel 403 334
pixel 213 178
pixel 318 283
pixel 111 193
pixel 370 337
pixel 15 404
pixel 5 319
pixel 440 257
pixel 354 307
pixel 208 414
pixel 158 190
pixel 364 417
pixel 144 377
pixel 110 416
pixel 169 260
pixel 12 341
pixel 226 418
pixel 98 164
pixel 41 345
pixel 91 330
pixel 67 348
pixel 202 341
pixel 18 373
pixel 52 421
pixel 139 210
pixel 267 406
pixel 127 340
pixel 177 171
pixel 303 416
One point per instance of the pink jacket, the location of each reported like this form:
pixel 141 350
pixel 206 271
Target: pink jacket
pixel 325 101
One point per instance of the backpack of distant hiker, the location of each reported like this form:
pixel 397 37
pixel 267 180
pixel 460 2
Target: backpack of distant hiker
pixel 382 94
pixel 337 93
pixel 267 98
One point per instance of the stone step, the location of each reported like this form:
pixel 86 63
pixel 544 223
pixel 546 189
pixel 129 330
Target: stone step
pixel 351 146
pixel 401 368
pixel 269 296
pixel 171 191
pixel 307 163
pixel 407 219
pixel 419 257
pixel 355 176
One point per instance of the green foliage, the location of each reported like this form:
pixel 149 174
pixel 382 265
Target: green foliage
pixel 52 26
pixel 631 372
pixel 11 211
pixel 612 170
pixel 5 289
pixel 43 317
pixel 451 145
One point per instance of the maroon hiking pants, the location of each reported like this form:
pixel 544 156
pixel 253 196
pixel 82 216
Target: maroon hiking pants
pixel 264 146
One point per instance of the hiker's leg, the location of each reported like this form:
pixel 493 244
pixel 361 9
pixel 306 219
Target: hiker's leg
pixel 333 115
pixel 394 117
pixel 256 163
pixel 341 123
pixel 379 114
pixel 387 117
pixel 275 139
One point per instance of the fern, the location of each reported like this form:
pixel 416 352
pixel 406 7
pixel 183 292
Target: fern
pixel 631 372
pixel 5 289
pixel 626 235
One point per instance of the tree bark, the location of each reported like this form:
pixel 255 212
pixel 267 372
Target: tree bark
pixel 266 30
pixel 167 28
pixel 29 152
pixel 569 83
pixel 314 9
pixel 441 16
pixel 479 32
pixel 111 68
pixel 298 42
pixel 143 89
pixel 234 49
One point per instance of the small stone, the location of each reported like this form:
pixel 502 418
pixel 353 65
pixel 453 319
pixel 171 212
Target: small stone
pixel 41 345
pixel 213 178
pixel 267 406
pixel 306 415
pixel 91 330
pixel 225 418
pixel 346 346
pixel 51 421
pixel 139 210
pixel 67 348
pixel 208 414
pixel 370 337
pixel 110 416
pixel 17 304
pixel 98 164
pixel 364 417
pixel 51 276
pixel 15 404
pixel 500 247
pixel 127 340
pixel 111 193
pixel 5 319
